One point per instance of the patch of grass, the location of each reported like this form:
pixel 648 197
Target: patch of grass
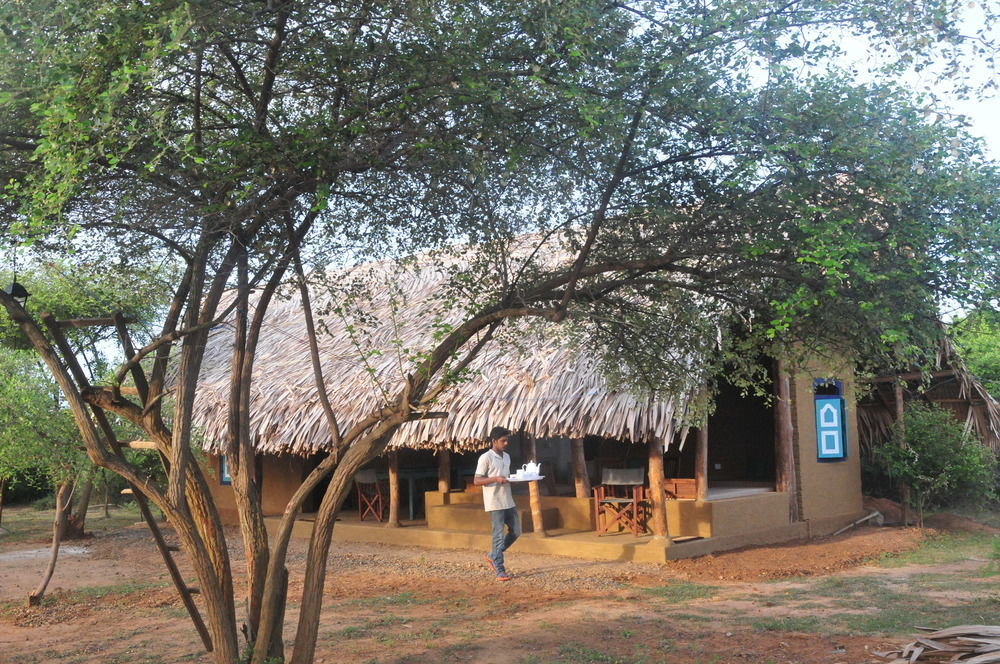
pixel 399 599
pixel 692 617
pixel 786 624
pixel 850 585
pixel 942 549
pixel 681 591
pixel 992 567
pixel 99 592
pixel 24 524
pixel 583 655
pixel 369 628
pixel 946 582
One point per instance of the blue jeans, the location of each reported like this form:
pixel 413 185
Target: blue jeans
pixel 501 541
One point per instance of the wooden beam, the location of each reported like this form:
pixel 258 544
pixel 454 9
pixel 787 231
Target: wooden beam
pixel 429 415
pixel 393 521
pixel 904 489
pixel 444 470
pixel 89 322
pixel 581 481
pixel 915 375
pixel 534 497
pixel 701 462
pixel 659 501
pixel 142 445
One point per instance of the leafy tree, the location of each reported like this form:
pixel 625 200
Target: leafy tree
pixel 669 161
pixel 37 432
pixel 938 459
pixel 977 337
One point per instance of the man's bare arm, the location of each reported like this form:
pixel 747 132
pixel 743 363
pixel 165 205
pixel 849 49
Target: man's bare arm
pixel 482 480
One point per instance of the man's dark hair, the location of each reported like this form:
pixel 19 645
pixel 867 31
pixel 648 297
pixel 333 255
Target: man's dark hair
pixel 497 433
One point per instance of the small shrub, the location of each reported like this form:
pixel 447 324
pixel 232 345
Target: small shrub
pixel 938 460
pixel 45 503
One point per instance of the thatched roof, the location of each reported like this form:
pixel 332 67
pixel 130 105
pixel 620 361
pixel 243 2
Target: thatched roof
pixel 948 383
pixel 544 387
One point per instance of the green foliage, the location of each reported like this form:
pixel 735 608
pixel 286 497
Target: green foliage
pixel 937 459
pixel 76 289
pixel 36 430
pixel 977 337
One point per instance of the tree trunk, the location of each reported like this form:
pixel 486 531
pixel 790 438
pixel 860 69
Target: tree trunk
pixel 393 521
pixel 76 521
pixel 785 478
pixel 107 493
pixel 3 491
pixel 63 495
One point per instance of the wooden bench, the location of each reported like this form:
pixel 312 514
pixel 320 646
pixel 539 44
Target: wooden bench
pixel 680 488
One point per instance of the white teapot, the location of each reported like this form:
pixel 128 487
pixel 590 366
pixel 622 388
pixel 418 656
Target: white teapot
pixel 531 469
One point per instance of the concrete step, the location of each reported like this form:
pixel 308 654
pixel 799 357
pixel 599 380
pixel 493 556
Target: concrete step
pixel 473 518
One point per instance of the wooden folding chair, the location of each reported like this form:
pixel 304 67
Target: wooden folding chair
pixel 370 498
pixel 620 500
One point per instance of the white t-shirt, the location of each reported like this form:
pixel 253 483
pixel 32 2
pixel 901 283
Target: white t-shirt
pixel 495 496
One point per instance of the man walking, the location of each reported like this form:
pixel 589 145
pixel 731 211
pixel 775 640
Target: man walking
pixel 491 474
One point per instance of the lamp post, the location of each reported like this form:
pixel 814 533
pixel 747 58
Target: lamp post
pixel 18 292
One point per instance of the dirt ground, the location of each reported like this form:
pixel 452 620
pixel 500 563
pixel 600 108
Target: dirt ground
pixel 110 601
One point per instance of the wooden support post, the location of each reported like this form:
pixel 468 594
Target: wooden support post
pixel 393 521
pixel 701 462
pixel 534 496
pixel 444 470
pixel 580 479
pixel 904 488
pixel 658 500
pixel 784 454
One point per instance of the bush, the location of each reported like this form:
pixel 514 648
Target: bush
pixel 938 460
pixel 47 502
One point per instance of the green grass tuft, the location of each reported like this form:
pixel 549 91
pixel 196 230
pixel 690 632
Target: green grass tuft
pixel 681 591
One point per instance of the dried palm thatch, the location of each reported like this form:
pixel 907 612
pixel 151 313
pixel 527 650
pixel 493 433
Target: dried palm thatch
pixel 950 384
pixel 968 644
pixel 542 385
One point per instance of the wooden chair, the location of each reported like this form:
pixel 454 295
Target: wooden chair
pixel 620 500
pixel 370 497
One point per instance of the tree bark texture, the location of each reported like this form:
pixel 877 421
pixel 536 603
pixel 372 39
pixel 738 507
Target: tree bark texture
pixel 785 476
pixel 77 520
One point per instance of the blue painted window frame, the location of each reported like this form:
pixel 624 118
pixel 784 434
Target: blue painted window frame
pixel 224 476
pixel 831 433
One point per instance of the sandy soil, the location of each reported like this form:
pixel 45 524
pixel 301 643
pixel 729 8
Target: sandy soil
pixel 407 604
